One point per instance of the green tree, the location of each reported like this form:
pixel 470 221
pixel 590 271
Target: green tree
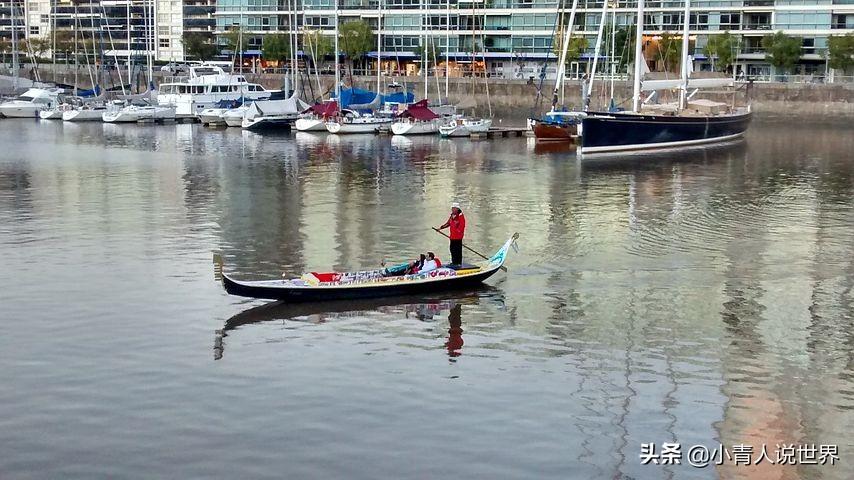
pixel 199 46
pixel 317 44
pixel 668 52
pixel 231 38
pixel 624 46
pixel 430 50
pixel 781 50
pixel 276 47
pixel 40 46
pixel 722 49
pixel 355 39
pixel 840 52
pixel 577 45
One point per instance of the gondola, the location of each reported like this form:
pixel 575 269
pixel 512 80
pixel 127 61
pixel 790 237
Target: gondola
pixel 318 287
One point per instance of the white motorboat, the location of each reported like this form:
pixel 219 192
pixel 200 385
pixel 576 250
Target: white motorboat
pixel 30 103
pixel 234 116
pixel 212 116
pixel 84 114
pixel 206 87
pixel 137 113
pixel 464 127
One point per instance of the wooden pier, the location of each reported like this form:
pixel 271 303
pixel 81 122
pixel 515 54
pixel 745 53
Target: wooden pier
pixel 501 132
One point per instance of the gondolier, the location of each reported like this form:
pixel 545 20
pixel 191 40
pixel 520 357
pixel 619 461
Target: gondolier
pixel 457 224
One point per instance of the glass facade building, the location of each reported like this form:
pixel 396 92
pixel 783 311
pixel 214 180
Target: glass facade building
pixel 512 36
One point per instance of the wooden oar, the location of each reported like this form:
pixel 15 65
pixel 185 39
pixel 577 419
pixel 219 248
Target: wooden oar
pixel 503 268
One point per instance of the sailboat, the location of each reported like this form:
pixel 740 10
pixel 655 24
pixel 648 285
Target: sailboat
pixel 693 122
pixel 559 125
pixel 273 114
pixel 464 126
pixel 278 113
pixel 142 107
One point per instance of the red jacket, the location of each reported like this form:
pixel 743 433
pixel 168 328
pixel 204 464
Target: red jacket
pixel 458 226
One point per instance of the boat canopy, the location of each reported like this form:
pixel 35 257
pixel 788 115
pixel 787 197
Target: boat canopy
pixel 225 103
pixel 94 92
pixel 650 85
pixel 288 106
pixel 419 111
pixel 325 109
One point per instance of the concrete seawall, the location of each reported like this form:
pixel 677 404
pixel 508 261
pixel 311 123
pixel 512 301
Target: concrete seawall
pixel 511 101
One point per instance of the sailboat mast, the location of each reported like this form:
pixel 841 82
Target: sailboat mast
pixel 337 70
pixel 561 68
pixel 638 58
pixel 151 44
pixel 683 92
pixel 379 43
pixel 53 37
pixel 95 80
pixel 15 66
pixel 240 40
pixel 76 56
pixel 448 50
pixel 424 46
pixel 613 49
pixel 596 54
pixel 127 23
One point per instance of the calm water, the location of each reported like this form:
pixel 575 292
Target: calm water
pixel 700 299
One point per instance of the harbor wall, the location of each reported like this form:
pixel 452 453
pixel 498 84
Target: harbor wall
pixel 511 101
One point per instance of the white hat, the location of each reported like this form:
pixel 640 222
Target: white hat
pixel 455 205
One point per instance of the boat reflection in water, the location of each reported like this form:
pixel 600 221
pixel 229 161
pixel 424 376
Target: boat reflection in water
pixel 421 308
pixel 657 158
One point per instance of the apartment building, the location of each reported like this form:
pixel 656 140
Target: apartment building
pixel 512 37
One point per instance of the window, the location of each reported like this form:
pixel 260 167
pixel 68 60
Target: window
pixel 164 43
pixel 730 21
pixel 34 30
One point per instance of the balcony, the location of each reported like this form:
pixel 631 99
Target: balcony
pixel 198 10
pixel 756 26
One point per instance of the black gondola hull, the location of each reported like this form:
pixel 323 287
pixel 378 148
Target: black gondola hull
pixel 620 132
pixel 319 294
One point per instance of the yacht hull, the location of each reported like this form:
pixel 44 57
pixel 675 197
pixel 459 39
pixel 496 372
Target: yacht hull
pixel 83 115
pixel 622 132
pixel 310 125
pixel 20 111
pixel 356 127
pixel 415 128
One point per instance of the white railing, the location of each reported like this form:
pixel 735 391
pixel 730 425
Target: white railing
pixel 799 79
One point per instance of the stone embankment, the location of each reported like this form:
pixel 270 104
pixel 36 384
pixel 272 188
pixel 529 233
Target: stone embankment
pixel 511 101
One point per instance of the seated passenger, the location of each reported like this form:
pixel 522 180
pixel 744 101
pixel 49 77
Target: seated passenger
pixel 432 263
pixel 417 265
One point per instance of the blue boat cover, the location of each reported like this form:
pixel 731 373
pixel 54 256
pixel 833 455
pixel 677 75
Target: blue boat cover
pixel 90 93
pixel 359 96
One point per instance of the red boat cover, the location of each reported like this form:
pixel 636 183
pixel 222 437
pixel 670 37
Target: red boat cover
pixel 419 111
pixel 326 109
